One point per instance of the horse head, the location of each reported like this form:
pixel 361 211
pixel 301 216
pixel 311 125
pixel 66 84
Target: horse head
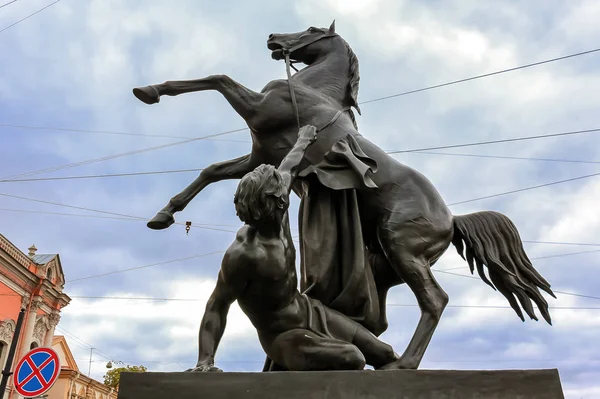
pixel 305 46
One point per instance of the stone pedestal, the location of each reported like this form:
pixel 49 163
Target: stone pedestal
pixel 402 384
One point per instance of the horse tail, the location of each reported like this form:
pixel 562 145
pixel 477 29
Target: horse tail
pixel 491 239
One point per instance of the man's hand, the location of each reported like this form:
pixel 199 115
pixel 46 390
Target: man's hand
pixel 308 133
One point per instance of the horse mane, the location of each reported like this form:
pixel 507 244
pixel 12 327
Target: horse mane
pixel 353 84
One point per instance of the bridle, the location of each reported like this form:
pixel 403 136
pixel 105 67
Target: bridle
pixel 290 64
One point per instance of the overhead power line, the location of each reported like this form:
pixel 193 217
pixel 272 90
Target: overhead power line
pixel 29 16
pixel 561 243
pixel 137 220
pixel 388 304
pixel 451 204
pixel 146 266
pixel 21 177
pixel 103 175
pixel 567 254
pixel 480 76
pixel 237 226
pixel 10 2
pixel 506 157
pixel 223 251
pixel 101 211
pixel 555 291
pixel 121 216
pixel 63 129
pixel 541 136
pixel 525 189
pixel 124 154
pixel 69 214
pixel 87 345
pixel 168 299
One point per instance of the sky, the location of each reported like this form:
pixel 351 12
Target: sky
pixel 65 98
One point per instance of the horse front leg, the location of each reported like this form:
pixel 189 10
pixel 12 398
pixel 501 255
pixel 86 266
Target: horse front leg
pixel 243 100
pixel 231 169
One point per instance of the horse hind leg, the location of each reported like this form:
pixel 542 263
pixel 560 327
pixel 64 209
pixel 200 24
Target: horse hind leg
pixel 385 278
pixel 415 271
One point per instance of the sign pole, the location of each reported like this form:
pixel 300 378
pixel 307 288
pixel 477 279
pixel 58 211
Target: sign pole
pixel 6 373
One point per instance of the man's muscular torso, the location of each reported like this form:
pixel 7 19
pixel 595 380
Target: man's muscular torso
pixel 270 297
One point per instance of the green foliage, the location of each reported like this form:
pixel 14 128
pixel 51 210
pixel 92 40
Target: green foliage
pixel 113 376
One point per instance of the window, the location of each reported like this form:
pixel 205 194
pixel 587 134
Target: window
pixel 3 353
pixel 49 274
pixel 33 345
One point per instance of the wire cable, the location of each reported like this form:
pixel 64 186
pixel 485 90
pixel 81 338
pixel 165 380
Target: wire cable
pixel 451 204
pixel 29 16
pixel 525 189
pixel 20 177
pixel 555 291
pixel 62 129
pixel 201 226
pixel 103 176
pixel 236 226
pixel 505 157
pixel 133 219
pixel 167 299
pixel 223 251
pixel 145 266
pixel 10 2
pixel 480 76
pixel 10 180
pixel 541 136
pixel 120 155
pixel 154 299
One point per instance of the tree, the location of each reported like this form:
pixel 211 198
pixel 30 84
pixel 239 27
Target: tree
pixel 113 377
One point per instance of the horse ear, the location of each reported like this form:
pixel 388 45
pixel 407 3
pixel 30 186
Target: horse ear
pixel 332 27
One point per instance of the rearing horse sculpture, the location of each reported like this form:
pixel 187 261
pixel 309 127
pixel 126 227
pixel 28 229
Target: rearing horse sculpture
pixel 367 222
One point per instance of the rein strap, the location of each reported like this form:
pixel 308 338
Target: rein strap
pixel 291 86
pixel 288 64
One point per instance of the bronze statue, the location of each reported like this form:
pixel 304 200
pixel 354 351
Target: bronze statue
pixel 367 222
pixel 259 271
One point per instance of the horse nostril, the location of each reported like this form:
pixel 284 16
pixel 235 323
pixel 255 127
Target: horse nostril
pixel 271 36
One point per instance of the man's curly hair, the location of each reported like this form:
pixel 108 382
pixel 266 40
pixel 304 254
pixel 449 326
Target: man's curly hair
pixel 260 194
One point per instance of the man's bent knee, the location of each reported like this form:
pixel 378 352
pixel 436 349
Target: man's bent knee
pixel 352 358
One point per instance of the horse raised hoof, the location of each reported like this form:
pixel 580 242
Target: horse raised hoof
pixel 147 94
pixel 161 220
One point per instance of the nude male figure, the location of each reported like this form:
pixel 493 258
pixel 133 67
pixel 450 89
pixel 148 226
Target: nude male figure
pixel 258 270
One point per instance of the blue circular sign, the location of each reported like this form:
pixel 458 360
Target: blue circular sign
pixel 36 372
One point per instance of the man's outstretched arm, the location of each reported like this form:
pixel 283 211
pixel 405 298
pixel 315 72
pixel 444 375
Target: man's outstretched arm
pixel 288 169
pixel 214 321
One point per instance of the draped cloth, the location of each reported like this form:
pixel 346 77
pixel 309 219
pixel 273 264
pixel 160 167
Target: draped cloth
pixel 335 265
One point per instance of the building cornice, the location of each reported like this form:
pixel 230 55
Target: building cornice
pixel 23 275
pixel 15 252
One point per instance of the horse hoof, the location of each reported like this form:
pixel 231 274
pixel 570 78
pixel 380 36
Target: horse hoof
pixel 147 94
pixel 161 221
pixel 400 364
